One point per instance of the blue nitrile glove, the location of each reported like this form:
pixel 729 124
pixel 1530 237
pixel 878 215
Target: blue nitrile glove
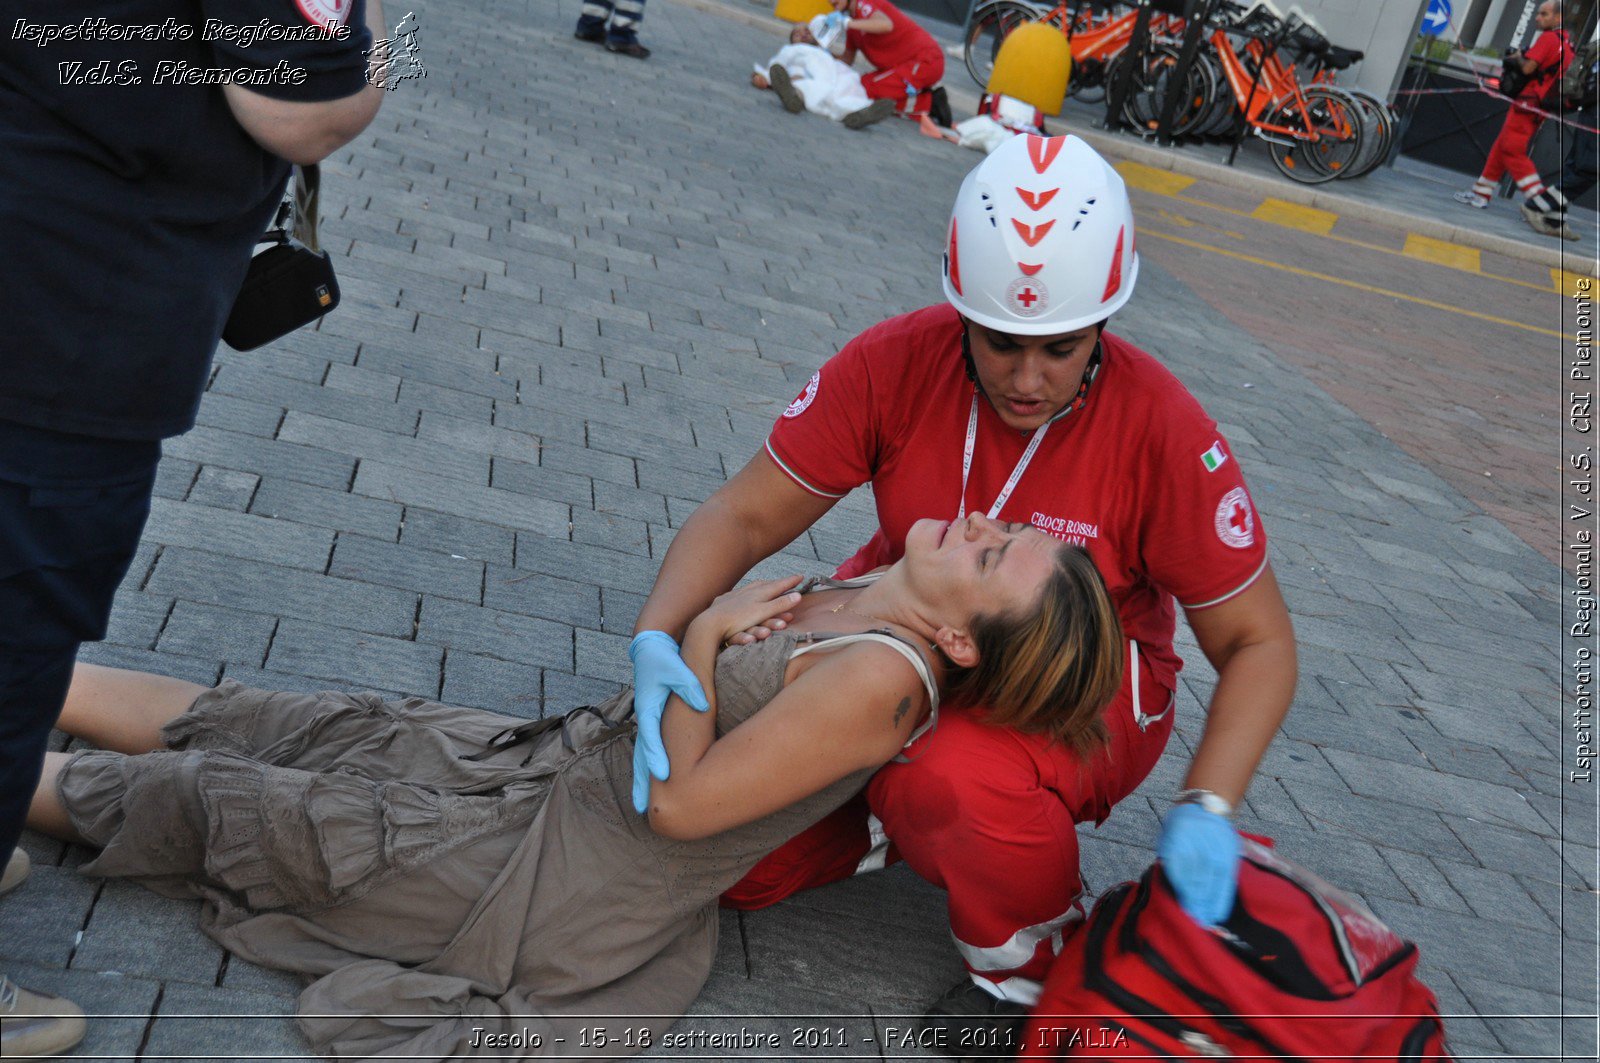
pixel 1199 852
pixel 657 672
pixel 835 21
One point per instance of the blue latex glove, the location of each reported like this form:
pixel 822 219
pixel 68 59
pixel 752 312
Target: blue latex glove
pixel 835 21
pixel 657 672
pixel 1199 852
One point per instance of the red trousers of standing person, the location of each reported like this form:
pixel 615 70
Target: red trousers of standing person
pixel 1509 152
pixel 990 815
pixel 891 83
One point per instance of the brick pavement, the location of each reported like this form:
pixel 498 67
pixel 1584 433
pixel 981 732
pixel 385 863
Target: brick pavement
pixel 577 289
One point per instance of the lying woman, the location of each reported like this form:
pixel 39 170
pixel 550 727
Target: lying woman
pixel 461 883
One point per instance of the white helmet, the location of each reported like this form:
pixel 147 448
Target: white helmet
pixel 1041 239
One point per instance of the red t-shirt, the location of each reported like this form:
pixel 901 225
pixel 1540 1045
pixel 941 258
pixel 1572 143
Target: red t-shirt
pixel 1553 52
pixel 906 43
pixel 1139 475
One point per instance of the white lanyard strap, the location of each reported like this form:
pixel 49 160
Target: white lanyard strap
pixel 1016 473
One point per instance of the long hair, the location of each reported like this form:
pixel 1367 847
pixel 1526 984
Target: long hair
pixel 1051 668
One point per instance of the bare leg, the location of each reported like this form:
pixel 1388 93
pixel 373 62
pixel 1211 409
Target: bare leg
pixel 46 813
pixel 121 710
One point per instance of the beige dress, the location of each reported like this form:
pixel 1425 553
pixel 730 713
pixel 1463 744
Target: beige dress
pixel 442 905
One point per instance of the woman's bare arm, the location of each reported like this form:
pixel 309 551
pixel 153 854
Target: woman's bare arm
pixel 851 711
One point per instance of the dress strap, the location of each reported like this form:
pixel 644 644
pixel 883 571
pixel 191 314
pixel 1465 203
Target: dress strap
pixel 808 641
pixel 826 583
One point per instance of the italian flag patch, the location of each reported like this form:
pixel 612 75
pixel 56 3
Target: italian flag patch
pixel 1214 458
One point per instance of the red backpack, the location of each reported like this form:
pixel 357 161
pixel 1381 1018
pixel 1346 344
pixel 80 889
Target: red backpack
pixel 1300 971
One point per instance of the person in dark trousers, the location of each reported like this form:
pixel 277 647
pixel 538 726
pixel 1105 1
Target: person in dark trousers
pixel 1544 63
pixel 132 195
pixel 622 35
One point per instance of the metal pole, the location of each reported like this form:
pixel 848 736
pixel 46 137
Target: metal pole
pixel 1255 83
pixel 1195 15
pixel 1133 58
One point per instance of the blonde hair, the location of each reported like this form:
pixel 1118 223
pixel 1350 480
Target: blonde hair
pixel 1052 668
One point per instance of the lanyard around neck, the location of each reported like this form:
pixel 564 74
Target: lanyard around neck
pixel 1033 444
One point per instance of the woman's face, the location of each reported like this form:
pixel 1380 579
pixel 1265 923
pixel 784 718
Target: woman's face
pixel 977 566
pixel 1029 379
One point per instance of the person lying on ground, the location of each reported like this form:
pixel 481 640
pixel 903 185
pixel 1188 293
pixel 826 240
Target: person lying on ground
pixel 906 61
pixel 807 77
pixel 453 880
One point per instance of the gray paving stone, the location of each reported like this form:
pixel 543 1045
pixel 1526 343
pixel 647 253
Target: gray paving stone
pixel 223 489
pixel 1411 785
pixel 611 531
pixel 928 962
pixel 204 1022
pixel 243 976
pixel 564 691
pixel 537 594
pixel 356 658
pixel 391 447
pixel 507 687
pixel 138 618
pixel 603 656
pixel 255 587
pixel 208 631
pixel 301 503
pixel 39 922
pixel 265 457
pixel 344 394
pixel 246 415
pixel 413 487
pixel 365 560
pixel 1513 956
pixel 241 535
pixel 133 930
pixel 1529 1022
pixel 494 632
pixel 453 534
pixel 522 478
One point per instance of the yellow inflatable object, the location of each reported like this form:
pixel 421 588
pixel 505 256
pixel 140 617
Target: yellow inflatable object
pixel 1033 65
pixel 801 10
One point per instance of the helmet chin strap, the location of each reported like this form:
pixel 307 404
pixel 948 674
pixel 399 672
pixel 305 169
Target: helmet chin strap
pixel 1089 372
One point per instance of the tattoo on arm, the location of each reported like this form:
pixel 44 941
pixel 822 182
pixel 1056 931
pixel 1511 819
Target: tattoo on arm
pixel 901 710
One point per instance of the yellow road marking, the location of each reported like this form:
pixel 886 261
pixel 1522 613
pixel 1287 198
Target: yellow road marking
pixel 1567 283
pixel 1357 285
pixel 1442 253
pixel 1364 245
pixel 1161 182
pixel 1295 216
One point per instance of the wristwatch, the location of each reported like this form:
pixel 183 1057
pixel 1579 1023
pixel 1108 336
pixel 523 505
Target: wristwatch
pixel 1211 802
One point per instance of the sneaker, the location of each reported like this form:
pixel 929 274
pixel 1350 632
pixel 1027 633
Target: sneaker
pixel 630 48
pixel 793 102
pixel 36 1024
pixel 1471 199
pixel 17 869
pixel 1544 224
pixel 876 111
pixel 939 109
pixel 969 1022
pixel 592 34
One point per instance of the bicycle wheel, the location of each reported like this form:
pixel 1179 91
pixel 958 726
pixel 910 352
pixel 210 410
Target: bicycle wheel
pixel 1377 134
pixel 989 26
pixel 1149 91
pixel 1327 137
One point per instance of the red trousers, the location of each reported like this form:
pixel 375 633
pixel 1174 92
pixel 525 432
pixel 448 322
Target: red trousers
pixel 990 815
pixel 890 83
pixel 1510 149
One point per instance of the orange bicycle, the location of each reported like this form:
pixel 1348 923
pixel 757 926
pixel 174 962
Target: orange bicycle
pixel 1098 32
